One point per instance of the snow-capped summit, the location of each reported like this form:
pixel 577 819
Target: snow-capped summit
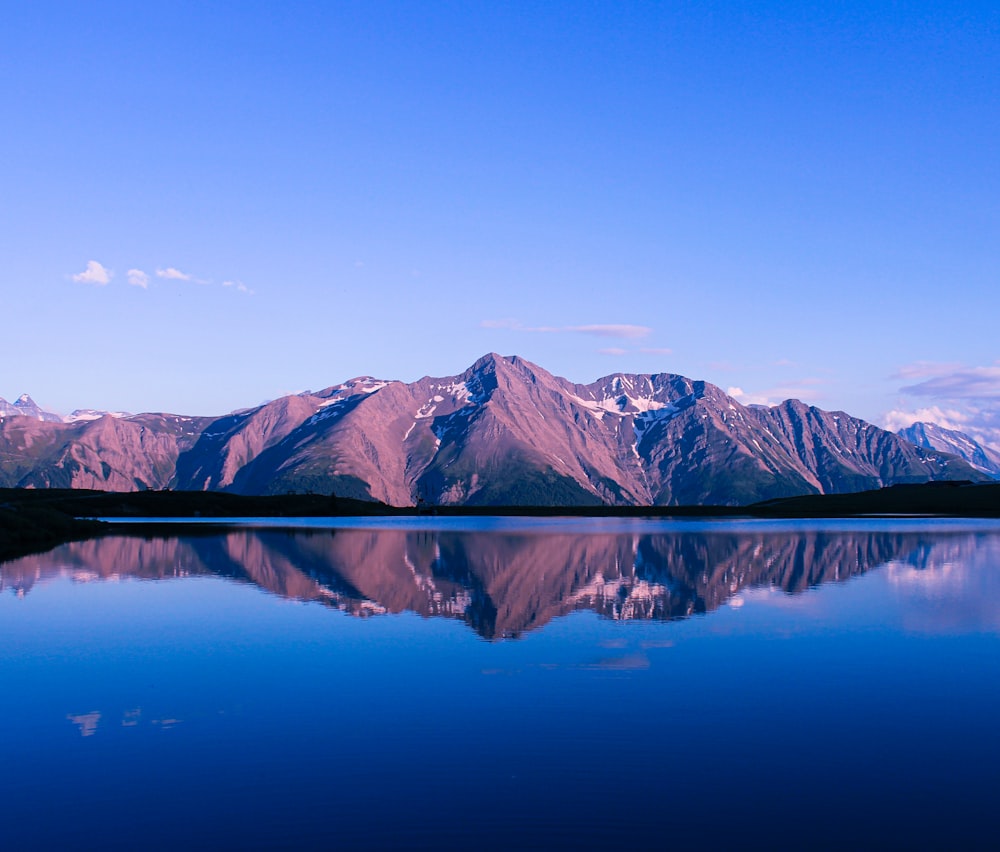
pixel 82 414
pixel 934 437
pixel 503 432
pixel 25 406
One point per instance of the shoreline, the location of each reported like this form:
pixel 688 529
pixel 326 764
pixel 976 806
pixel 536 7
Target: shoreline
pixel 36 520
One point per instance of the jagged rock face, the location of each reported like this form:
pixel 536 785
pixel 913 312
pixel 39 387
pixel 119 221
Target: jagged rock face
pixel 503 432
pixel 109 453
pixel 25 406
pixel 232 442
pixel 934 437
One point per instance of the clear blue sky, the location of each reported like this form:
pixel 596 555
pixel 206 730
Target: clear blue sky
pixel 789 199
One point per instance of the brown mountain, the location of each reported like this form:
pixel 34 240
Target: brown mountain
pixel 111 453
pixel 503 432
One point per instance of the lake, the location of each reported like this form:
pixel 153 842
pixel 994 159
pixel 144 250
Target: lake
pixel 504 683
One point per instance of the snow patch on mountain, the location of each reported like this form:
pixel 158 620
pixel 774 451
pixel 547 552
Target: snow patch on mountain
pixel 645 420
pixel 621 405
pixel 82 415
pixel 933 437
pixel 25 406
pixel 425 411
pixel 459 391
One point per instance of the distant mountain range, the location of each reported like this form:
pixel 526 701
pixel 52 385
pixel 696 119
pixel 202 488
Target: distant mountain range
pixel 933 437
pixel 504 432
pixel 25 406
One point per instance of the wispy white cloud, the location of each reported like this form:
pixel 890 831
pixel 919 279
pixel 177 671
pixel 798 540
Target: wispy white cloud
pixel 627 332
pixel 963 383
pixel 924 370
pixel 966 399
pixel 173 274
pixel 622 331
pixel 742 396
pixel 238 286
pixel 947 418
pixel 656 351
pixel 95 273
pixel 612 350
pixel 99 275
pixel 806 390
pixel 982 424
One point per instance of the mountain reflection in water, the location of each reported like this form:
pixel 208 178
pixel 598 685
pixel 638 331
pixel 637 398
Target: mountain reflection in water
pixel 501 584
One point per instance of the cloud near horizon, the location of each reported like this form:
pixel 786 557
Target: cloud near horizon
pixel 95 273
pixel 947 418
pixel 623 331
pixel 961 383
pixel 806 390
pixel 980 424
pixel 924 370
pixel 967 399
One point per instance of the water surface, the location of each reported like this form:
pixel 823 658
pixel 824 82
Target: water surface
pixel 497 684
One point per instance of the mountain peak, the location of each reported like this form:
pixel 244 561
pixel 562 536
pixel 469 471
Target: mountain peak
pixel 933 437
pixel 25 406
pixel 503 432
pixel 491 361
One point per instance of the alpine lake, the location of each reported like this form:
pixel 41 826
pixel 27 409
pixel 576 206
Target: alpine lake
pixel 503 683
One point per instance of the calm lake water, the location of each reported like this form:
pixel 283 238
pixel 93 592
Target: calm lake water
pixel 493 683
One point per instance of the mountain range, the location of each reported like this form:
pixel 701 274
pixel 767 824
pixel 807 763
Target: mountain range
pixel 503 432
pixel 25 406
pixel 934 437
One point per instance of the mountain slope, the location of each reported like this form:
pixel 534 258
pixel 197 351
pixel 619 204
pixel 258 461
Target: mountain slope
pixel 109 453
pixel 934 437
pixel 506 431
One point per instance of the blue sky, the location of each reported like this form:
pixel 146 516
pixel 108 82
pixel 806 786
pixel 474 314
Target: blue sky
pixel 785 199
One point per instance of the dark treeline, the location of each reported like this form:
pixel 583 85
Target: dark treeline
pixel 36 519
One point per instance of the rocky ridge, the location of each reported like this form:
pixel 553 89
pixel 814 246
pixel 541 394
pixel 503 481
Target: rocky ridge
pixel 25 406
pixel 505 431
pixel 934 437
